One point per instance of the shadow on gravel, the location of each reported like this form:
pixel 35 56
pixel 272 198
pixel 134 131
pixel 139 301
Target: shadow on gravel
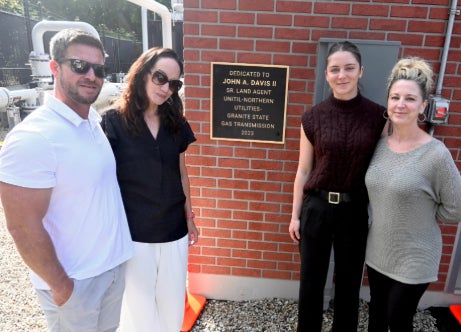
pixel 446 322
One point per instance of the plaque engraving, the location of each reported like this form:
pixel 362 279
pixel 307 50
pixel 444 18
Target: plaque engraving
pixel 248 102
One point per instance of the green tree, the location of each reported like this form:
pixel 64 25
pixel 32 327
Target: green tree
pixel 111 17
pixel 12 6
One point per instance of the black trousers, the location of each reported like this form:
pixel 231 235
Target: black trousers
pixel 393 304
pixel 344 227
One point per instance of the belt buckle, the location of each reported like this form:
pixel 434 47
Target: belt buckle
pixel 333 197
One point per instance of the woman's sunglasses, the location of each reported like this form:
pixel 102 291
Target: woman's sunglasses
pixel 160 78
pixel 82 67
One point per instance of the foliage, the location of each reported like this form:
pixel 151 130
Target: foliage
pixel 110 17
pixel 13 6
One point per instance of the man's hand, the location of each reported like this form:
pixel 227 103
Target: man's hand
pixel 63 293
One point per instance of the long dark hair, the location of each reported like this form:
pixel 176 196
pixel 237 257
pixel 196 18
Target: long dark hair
pixel 134 100
pixel 345 46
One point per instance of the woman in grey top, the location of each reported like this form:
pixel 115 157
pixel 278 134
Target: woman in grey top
pixel 412 182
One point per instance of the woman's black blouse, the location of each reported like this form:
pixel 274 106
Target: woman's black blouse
pixel 150 179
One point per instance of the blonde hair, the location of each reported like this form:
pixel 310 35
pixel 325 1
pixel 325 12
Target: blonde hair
pixel 413 69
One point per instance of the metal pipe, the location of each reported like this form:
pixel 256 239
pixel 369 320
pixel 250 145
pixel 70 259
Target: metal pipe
pixel 28 95
pixel 43 26
pixel 446 47
pixel 7 97
pixel 145 30
pixel 164 13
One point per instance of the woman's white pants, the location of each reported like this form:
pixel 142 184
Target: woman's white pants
pixel 155 287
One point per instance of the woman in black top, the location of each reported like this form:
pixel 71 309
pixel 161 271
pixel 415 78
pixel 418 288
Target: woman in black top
pixel 338 137
pixel 149 136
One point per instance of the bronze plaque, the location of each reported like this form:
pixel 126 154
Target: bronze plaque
pixel 248 102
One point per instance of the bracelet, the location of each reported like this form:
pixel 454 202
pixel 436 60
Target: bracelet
pixel 190 215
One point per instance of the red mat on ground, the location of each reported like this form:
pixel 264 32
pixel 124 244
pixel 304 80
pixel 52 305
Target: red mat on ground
pixel 193 308
pixel 456 311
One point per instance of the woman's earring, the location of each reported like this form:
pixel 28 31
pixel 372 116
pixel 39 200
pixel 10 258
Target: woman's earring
pixel 386 115
pixel 423 119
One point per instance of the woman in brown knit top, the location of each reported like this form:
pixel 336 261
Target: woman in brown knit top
pixel 338 137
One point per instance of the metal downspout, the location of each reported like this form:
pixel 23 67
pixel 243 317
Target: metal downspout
pixel 446 48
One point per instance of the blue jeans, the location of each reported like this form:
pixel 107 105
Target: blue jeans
pixel 344 227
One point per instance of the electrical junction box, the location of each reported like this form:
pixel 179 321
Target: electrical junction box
pixel 437 110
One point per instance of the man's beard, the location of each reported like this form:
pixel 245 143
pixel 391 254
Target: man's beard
pixel 72 92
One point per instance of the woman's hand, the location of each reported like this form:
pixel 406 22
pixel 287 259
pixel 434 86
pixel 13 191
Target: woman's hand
pixel 193 231
pixel 293 229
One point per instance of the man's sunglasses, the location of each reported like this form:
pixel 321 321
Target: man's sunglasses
pixel 160 78
pixel 82 67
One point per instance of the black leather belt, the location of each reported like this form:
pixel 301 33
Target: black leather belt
pixel 333 197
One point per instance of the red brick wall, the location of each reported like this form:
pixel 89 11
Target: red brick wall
pixel 242 191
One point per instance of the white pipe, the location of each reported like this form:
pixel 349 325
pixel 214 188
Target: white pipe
pixel 43 26
pixel 8 96
pixel 446 47
pixel 109 92
pixel 164 13
pixel 5 98
pixel 28 95
pixel 145 31
pixel 178 10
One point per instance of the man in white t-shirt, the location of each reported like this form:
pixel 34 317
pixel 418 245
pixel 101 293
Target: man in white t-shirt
pixel 61 198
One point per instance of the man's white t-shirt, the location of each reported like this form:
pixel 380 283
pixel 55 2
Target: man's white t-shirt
pixel 55 148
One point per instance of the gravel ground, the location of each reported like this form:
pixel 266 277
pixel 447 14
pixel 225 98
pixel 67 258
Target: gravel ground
pixel 277 315
pixel 19 310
